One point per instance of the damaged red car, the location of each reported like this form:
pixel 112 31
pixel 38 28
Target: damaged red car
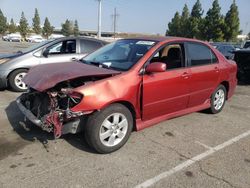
pixel 129 84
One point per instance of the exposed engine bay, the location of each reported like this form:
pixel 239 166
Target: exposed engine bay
pixel 50 109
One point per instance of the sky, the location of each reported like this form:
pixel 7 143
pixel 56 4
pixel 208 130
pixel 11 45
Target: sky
pixel 141 16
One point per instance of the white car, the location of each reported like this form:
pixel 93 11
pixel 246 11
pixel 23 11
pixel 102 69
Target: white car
pixel 56 36
pixel 35 38
pixel 5 37
pixel 14 37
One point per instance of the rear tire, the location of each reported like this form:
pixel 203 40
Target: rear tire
pixel 109 129
pixel 15 80
pixel 218 99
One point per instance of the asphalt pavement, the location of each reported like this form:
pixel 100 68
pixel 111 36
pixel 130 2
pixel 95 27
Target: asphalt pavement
pixel 197 150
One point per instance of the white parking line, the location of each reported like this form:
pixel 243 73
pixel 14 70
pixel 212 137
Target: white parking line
pixel 204 145
pixel 191 161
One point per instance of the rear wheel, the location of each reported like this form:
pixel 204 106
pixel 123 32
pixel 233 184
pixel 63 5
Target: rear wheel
pixel 218 99
pixel 16 80
pixel 109 129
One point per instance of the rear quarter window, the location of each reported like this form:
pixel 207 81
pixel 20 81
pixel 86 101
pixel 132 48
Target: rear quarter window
pixel 88 46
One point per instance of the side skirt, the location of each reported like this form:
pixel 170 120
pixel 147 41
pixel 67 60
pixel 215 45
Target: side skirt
pixel 148 123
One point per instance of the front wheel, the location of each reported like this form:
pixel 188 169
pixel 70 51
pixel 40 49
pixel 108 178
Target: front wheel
pixel 218 99
pixel 16 80
pixel 109 129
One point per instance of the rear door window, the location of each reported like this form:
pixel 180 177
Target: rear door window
pixel 88 46
pixel 199 54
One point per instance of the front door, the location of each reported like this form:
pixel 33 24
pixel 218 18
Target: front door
pixel 166 92
pixel 63 51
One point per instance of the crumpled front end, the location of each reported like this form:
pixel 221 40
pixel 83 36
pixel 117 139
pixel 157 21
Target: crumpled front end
pixel 51 96
pixel 50 110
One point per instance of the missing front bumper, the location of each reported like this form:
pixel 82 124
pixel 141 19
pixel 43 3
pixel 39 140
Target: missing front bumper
pixel 72 126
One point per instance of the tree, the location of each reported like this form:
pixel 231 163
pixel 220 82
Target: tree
pixel 76 29
pixel 36 22
pixel 248 35
pixel 67 28
pixel 23 26
pixel 233 23
pixel 196 20
pixel 47 28
pixel 185 23
pixel 3 23
pixel 214 23
pixel 12 27
pixel 174 27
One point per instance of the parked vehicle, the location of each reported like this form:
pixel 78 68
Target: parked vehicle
pixel 242 58
pixel 14 37
pixel 247 44
pixel 56 36
pixel 226 49
pixel 35 38
pixel 5 37
pixel 14 67
pixel 131 83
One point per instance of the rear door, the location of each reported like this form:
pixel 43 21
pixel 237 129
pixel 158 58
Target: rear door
pixel 166 92
pixel 204 69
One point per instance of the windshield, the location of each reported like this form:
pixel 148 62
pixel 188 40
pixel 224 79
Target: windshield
pixel 120 55
pixel 36 46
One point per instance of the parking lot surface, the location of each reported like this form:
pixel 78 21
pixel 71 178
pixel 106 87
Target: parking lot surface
pixel 10 47
pixel 196 150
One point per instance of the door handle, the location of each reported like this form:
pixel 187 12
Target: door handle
pixel 74 59
pixel 216 69
pixel 185 75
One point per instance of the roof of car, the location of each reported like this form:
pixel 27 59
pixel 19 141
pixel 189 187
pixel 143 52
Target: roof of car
pixel 162 38
pixel 151 38
pixel 80 37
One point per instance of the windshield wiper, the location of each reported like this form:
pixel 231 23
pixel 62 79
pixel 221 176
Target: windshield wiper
pixel 98 64
pixel 101 65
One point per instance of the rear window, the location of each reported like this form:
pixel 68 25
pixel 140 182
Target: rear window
pixel 199 54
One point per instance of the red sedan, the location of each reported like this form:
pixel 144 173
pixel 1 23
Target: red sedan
pixel 129 84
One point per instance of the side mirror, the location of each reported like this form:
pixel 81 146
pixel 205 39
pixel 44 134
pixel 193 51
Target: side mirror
pixel 46 53
pixel 156 67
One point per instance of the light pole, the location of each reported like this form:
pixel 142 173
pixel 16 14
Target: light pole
pixel 99 34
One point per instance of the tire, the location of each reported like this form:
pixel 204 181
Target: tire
pixel 15 80
pixel 117 128
pixel 219 95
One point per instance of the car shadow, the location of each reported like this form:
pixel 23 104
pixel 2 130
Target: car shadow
pixel 30 132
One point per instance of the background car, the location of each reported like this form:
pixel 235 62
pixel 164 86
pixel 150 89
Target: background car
pixel 5 37
pixel 14 67
pixel 226 49
pixel 35 38
pixel 13 37
pixel 129 84
pixel 242 58
pixel 247 44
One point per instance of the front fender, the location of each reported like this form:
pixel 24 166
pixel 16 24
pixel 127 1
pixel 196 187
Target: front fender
pixel 100 94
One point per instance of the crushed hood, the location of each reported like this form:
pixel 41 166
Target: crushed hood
pixel 43 77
